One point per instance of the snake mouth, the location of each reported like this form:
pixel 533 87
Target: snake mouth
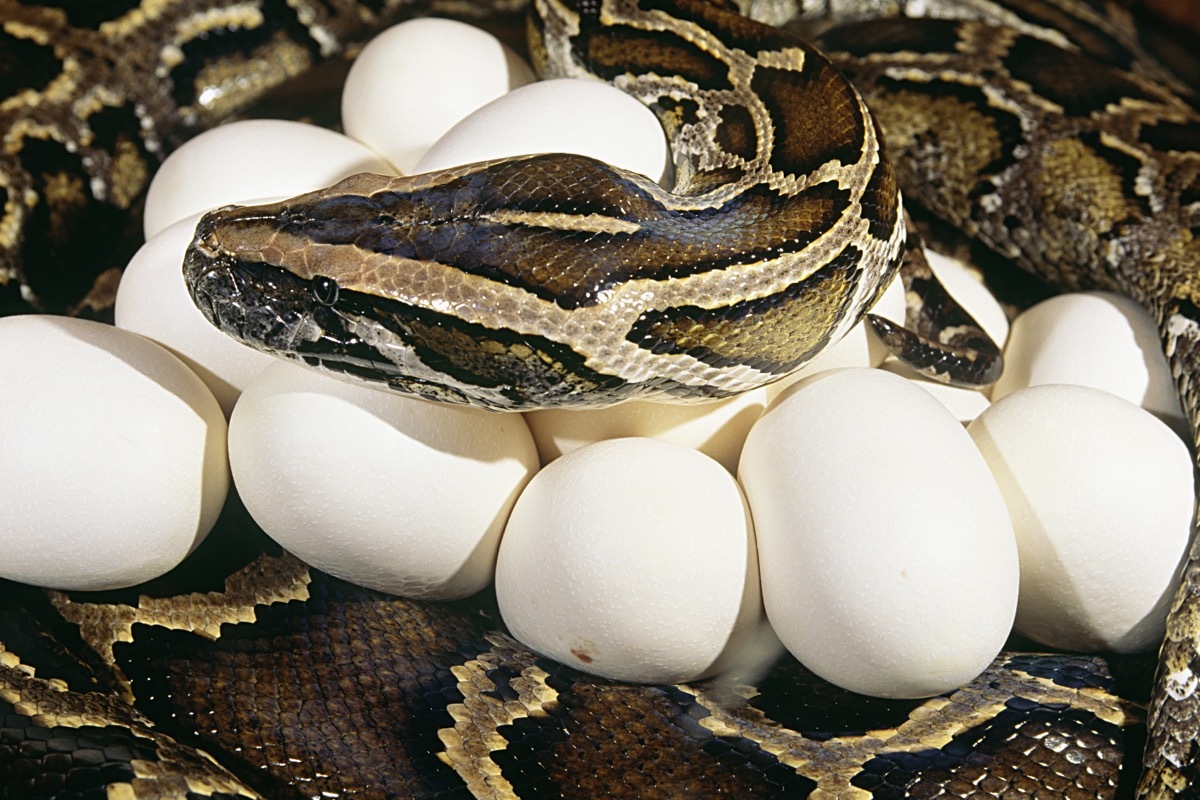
pixel 265 307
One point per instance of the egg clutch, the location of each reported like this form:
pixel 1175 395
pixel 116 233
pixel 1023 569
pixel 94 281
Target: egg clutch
pixel 889 532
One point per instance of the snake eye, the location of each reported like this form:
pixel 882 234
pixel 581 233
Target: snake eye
pixel 325 290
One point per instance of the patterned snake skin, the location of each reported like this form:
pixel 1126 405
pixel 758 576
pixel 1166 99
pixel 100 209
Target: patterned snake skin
pixel 246 674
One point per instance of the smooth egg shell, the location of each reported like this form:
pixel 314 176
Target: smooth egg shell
pixel 716 429
pixel 1095 339
pixel 153 300
pixel 112 463
pixel 564 115
pixel 888 562
pixel 414 81
pixel 383 490
pixel 1101 496
pixel 250 159
pixel 963 402
pixel 631 559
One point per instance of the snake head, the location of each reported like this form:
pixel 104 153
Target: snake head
pixel 272 278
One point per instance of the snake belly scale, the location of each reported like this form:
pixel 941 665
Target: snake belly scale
pixel 247 674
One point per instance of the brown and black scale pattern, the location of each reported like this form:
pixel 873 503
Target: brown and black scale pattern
pixel 343 692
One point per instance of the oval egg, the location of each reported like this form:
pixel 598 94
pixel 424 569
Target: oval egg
pixel 414 81
pixel 564 115
pixel 250 159
pixel 889 566
pixel 1095 339
pixel 1101 496
pixel 632 559
pixel 112 466
pixel 152 299
pixel 716 429
pixel 383 490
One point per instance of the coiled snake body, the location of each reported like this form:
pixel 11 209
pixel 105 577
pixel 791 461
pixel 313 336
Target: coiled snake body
pixel 246 674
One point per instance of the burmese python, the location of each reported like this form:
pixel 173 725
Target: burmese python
pixel 246 674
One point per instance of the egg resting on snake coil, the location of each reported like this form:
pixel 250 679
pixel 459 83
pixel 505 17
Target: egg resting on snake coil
pixel 1068 729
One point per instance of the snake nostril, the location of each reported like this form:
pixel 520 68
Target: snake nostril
pixel 325 290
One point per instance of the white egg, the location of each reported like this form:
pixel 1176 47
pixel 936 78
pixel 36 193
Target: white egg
pixel 112 456
pixel 963 402
pixel 1092 339
pixel 631 559
pixel 859 348
pixel 716 429
pixel 250 159
pixel 888 561
pixel 412 82
pixel 589 118
pixel 1101 496
pixel 386 491
pixel 971 294
pixel 153 300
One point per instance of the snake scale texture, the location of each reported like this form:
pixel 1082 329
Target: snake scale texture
pixel 246 674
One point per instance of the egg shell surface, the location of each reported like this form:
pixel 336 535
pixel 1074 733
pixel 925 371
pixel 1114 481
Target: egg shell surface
pixel 246 160
pixel 383 490
pixel 888 562
pixel 414 81
pixel 631 559
pixel 153 300
pixel 563 115
pixel 964 402
pixel 112 466
pixel 1095 339
pixel 1101 496
pixel 716 429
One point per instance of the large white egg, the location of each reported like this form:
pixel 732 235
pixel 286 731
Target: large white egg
pixel 153 300
pixel 112 455
pixel 1095 339
pixel 964 402
pixel 888 561
pixel 565 115
pixel 1101 496
pixel 632 559
pixel 250 159
pixel 860 347
pixel 384 490
pixel 414 81
pixel 716 429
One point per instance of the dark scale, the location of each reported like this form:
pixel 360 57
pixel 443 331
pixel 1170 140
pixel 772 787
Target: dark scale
pixel 89 14
pixel 25 64
pixel 62 763
pixel 1057 75
pixel 982 761
pixel 610 740
pixel 313 694
pixel 797 699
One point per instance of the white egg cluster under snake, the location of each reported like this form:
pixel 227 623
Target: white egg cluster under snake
pixel 1039 131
